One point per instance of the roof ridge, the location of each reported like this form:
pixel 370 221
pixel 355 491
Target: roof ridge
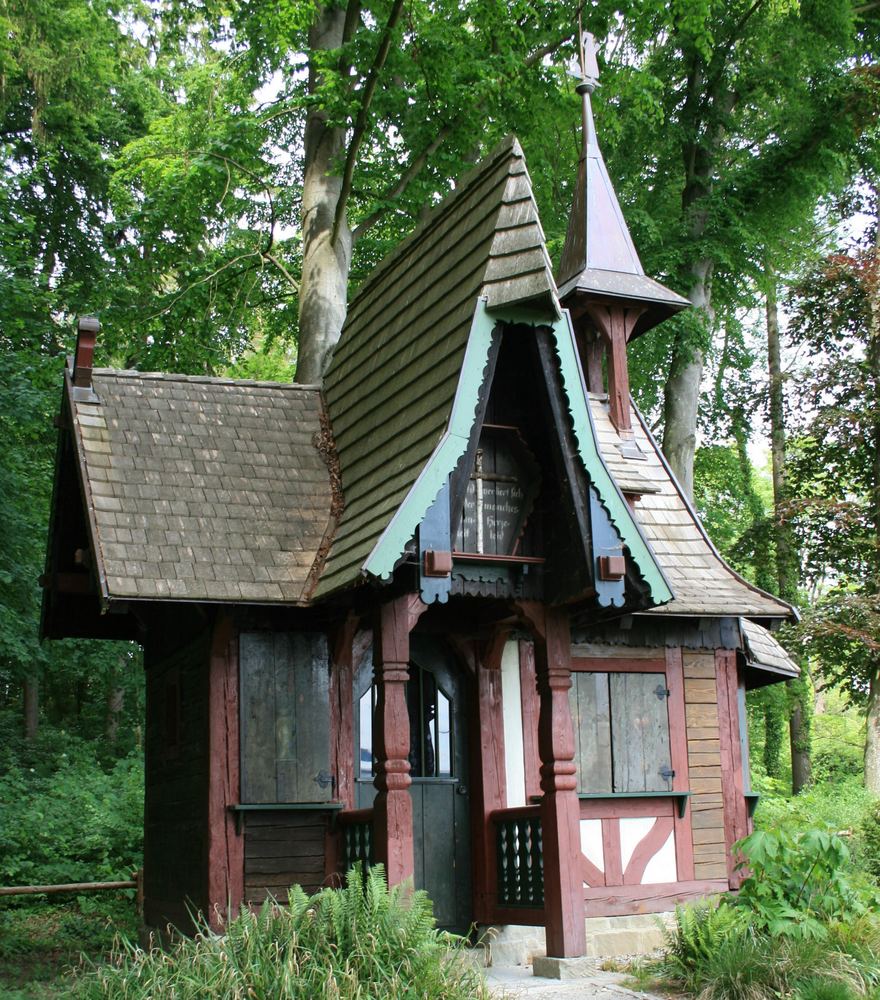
pixel 508 145
pixel 133 373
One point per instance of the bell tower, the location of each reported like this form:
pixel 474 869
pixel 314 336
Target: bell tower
pixel 601 280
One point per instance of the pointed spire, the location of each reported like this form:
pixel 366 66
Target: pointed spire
pixel 600 260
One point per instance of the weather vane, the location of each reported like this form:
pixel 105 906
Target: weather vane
pixel 587 50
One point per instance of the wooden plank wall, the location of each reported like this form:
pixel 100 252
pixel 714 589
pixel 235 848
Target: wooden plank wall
pixel 704 763
pixel 282 849
pixel 176 777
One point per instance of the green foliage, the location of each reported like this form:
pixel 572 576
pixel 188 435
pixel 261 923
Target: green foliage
pixel 64 816
pixel 869 837
pixel 362 940
pixel 798 883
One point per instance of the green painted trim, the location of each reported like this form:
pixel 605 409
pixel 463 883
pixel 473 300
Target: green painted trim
pixel 390 547
pixel 609 492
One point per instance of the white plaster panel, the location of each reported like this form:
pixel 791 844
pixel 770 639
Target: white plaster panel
pixel 662 867
pixel 511 704
pixel 632 831
pixel 591 842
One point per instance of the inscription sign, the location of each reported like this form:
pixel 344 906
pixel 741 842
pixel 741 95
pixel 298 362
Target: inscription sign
pixel 499 496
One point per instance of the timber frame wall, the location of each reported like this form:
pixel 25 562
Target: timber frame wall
pixel 201 853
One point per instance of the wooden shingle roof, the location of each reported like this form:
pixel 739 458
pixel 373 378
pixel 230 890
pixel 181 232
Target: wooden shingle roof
pixel 702 582
pixel 200 488
pixel 394 375
pixel 764 653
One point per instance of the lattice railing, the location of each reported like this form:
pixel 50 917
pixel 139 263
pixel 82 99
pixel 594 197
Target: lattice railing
pixel 519 858
pixel 357 838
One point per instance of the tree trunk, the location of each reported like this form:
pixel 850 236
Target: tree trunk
pixel 114 703
pixel 872 737
pixel 872 734
pixel 326 256
pixel 681 398
pixel 31 708
pixel 800 707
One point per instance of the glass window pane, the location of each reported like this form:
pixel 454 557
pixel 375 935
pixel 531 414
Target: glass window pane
pixel 444 736
pixel 365 756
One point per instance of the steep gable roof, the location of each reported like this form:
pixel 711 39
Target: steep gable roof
pixel 393 378
pixel 702 582
pixel 201 488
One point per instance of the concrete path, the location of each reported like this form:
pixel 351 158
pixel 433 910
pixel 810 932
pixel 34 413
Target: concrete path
pixel 518 983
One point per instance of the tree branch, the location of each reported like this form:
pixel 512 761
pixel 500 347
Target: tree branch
pixel 360 125
pixel 408 176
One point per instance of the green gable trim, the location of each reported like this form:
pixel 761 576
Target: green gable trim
pixel 451 447
pixel 609 493
pixel 434 476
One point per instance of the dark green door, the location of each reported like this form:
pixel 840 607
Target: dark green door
pixel 438 766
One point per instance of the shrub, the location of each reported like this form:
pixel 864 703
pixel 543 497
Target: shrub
pixel 361 941
pixel 869 841
pixel 799 884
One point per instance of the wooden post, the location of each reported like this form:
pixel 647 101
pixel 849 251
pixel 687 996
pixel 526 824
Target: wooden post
pixel 491 776
pixel 560 809
pixel 615 322
pixel 225 844
pixel 736 822
pixel 392 808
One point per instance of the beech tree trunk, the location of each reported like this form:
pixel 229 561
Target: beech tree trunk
pixel 326 255
pixel 31 692
pixel 872 735
pixel 681 396
pixel 800 707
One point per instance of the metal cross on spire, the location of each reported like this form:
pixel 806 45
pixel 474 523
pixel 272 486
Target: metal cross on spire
pixel 587 50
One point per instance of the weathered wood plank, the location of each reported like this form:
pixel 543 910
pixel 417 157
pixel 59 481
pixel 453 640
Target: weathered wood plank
pixel 699 666
pixel 700 692
pixel 702 717
pixel 706 818
pixel 703 732
pixel 710 870
pixel 257 667
pixel 639 732
pixel 591 715
pixel 710 835
pixel 704 746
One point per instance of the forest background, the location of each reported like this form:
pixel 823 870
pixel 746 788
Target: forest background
pixel 213 177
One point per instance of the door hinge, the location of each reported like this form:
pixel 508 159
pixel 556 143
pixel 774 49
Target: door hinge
pixel 666 773
pixel 324 779
pixel 661 692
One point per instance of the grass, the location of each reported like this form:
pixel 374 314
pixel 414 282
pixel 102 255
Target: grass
pixel 41 942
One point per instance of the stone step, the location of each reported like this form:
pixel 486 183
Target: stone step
pixel 607 937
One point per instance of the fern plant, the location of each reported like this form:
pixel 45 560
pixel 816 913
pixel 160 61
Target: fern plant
pixel 361 941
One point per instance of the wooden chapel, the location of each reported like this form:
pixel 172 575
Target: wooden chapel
pixel 449 611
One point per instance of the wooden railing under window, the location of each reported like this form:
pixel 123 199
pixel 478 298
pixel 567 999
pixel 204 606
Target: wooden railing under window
pixel 519 858
pixel 356 829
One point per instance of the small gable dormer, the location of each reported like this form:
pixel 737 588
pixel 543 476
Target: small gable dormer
pixel 521 515
pixel 601 279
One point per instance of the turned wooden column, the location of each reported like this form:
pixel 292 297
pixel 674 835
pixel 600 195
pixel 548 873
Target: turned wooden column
pixel 560 810
pixel 392 808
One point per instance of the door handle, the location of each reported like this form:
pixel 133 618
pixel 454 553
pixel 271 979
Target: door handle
pixel 461 789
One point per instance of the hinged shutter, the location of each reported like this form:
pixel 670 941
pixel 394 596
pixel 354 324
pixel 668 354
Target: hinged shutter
pixel 285 717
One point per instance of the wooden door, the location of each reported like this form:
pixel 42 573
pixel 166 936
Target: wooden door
pixel 439 770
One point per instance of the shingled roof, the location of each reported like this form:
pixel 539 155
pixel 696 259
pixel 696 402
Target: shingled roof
pixel 701 580
pixel 202 488
pixel 393 378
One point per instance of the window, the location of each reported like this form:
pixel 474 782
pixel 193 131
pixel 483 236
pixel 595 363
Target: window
pixel 430 727
pixel 285 713
pixel 621 727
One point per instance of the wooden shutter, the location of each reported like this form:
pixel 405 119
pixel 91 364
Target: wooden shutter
pixel 640 733
pixel 591 715
pixel 285 717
